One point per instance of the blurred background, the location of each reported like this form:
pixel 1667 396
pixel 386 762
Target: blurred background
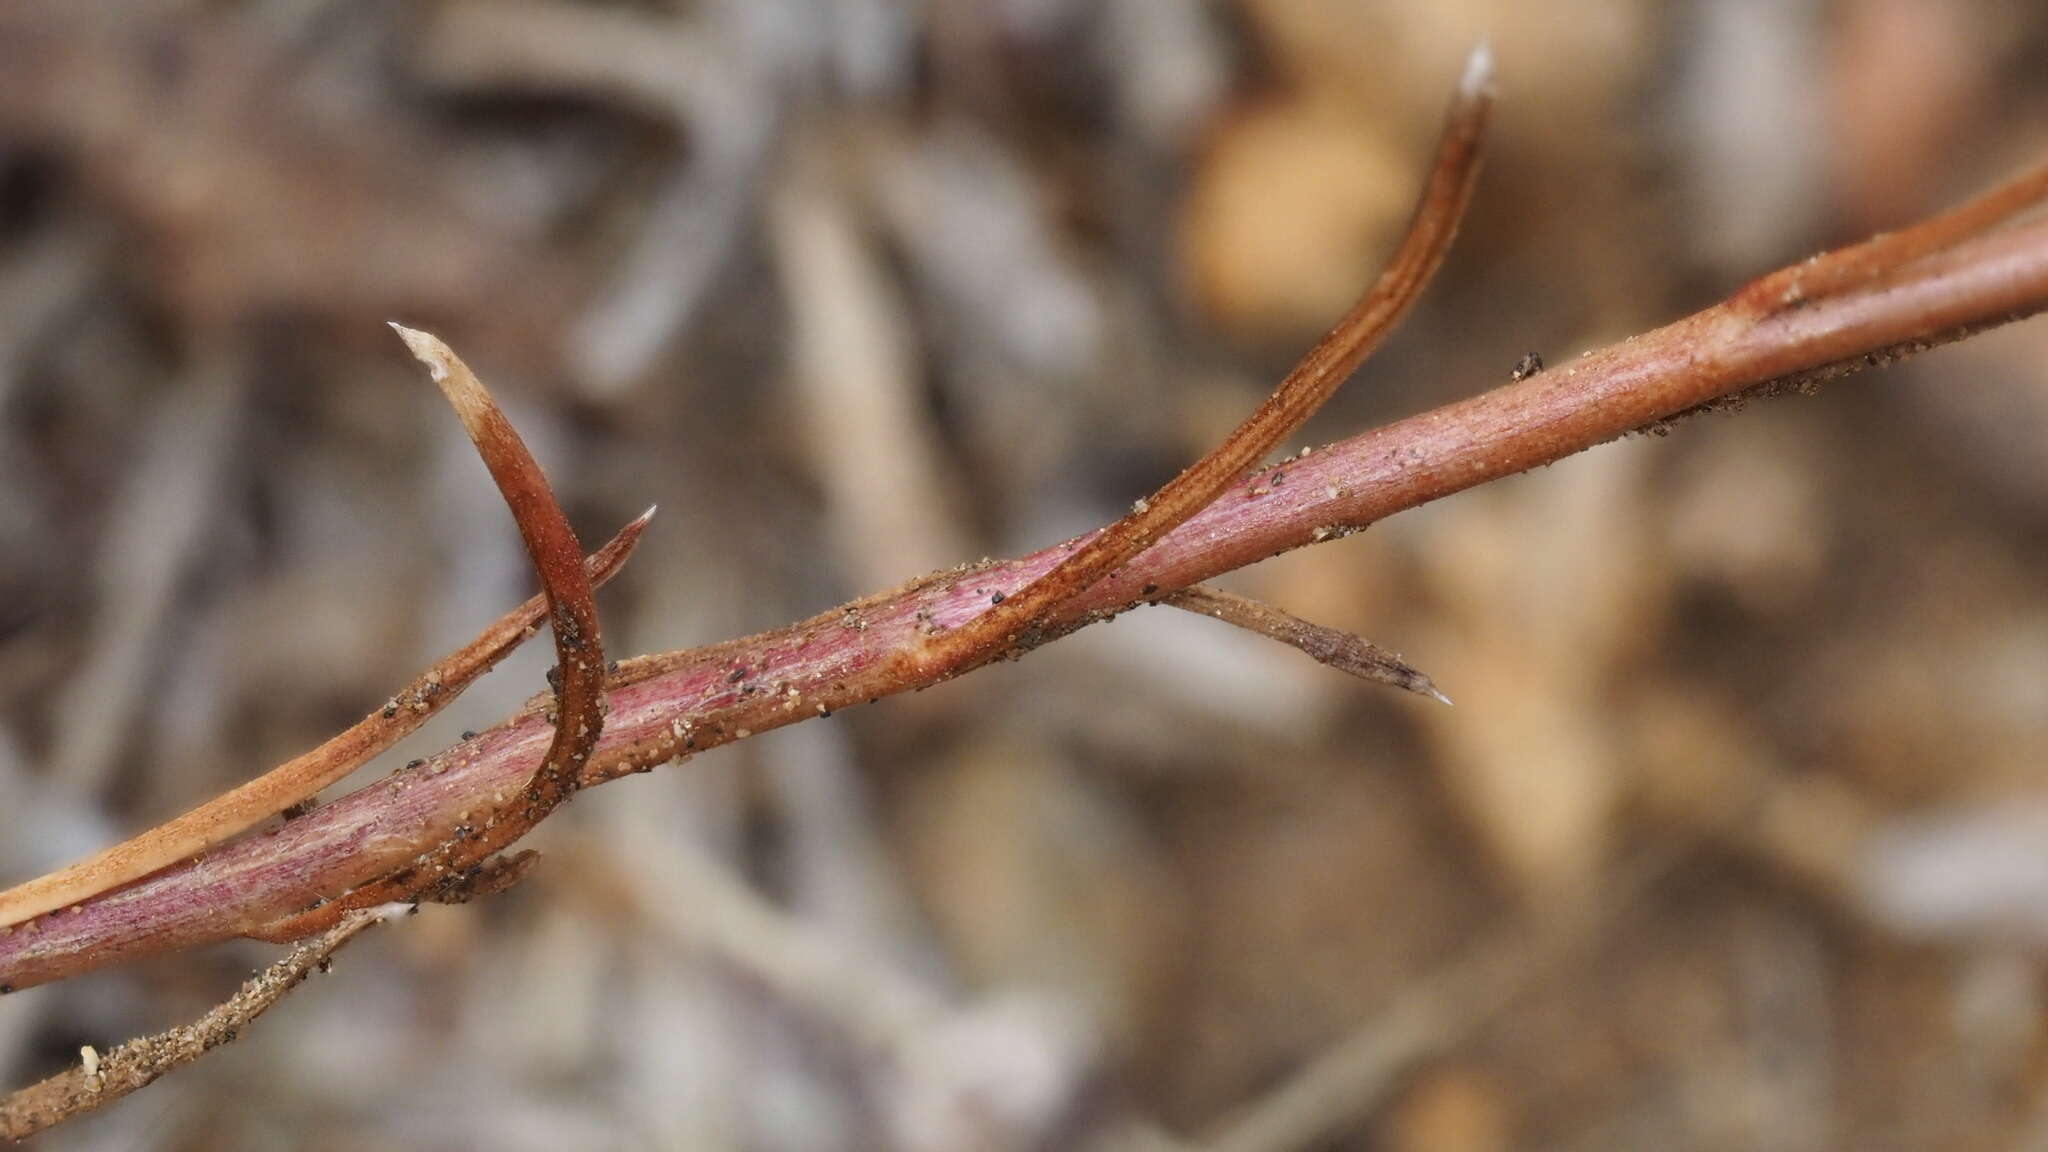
pixel 1736 837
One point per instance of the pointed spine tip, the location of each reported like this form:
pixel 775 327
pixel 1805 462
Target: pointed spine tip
pixel 472 403
pixel 1479 76
pixel 427 349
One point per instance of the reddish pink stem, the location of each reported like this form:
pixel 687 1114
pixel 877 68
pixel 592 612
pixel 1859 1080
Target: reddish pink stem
pixel 857 653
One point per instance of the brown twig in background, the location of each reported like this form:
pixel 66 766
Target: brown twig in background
pixel 100 1080
pixel 242 808
pixel 1334 647
pixel 1433 1015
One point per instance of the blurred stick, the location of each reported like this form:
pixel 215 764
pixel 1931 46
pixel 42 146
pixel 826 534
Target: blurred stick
pixel 1351 1078
pixel 681 702
pixel 871 440
pixel 155 534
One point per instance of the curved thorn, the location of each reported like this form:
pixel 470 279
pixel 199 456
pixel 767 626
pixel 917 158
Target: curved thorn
pixel 579 657
pixel 1442 204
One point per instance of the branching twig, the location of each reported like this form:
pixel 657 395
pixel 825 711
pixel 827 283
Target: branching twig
pixel 456 865
pixel 458 869
pixel 1324 1097
pixel 100 1080
pixel 675 704
pixel 1011 622
pixel 242 808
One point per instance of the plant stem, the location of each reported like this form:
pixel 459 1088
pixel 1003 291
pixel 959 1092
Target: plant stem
pixel 671 705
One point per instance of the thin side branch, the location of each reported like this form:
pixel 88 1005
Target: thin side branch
pixel 97 1081
pixel 297 780
pixel 1886 253
pixel 1347 653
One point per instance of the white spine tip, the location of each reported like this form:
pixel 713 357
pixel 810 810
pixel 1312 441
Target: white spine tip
pixel 426 348
pixel 649 514
pixel 1478 79
pixel 1439 695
